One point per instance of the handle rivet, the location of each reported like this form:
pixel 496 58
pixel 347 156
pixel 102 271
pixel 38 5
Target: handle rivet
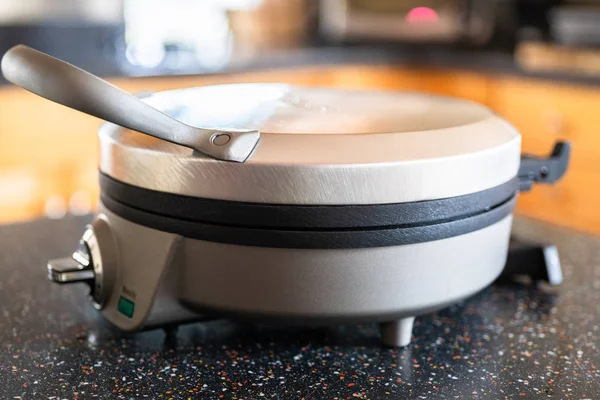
pixel 220 139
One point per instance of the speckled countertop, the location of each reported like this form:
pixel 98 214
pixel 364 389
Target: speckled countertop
pixel 509 341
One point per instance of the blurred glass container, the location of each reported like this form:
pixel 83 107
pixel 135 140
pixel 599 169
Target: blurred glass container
pixel 175 36
pixel 270 25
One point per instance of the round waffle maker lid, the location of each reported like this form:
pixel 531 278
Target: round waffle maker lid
pixel 320 147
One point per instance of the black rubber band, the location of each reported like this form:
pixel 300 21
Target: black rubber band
pixel 312 217
pixel 310 239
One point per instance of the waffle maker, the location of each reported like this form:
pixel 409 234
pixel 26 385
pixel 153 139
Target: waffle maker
pixel 307 206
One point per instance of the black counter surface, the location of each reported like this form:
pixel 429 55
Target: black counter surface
pixel 509 341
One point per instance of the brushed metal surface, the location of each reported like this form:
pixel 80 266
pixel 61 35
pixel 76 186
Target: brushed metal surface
pixel 287 109
pixel 398 147
pixel 142 258
pixel 350 283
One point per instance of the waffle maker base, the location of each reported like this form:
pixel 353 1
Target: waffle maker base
pixel 172 279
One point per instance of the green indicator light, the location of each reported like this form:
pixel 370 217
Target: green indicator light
pixel 126 307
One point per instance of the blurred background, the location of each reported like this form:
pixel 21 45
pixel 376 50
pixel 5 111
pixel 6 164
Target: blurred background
pixel 534 62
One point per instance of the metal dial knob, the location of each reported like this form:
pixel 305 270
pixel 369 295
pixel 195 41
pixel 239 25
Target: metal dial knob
pixel 67 270
pixel 77 268
pixel 93 262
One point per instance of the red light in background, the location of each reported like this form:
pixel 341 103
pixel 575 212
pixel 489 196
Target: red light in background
pixel 422 14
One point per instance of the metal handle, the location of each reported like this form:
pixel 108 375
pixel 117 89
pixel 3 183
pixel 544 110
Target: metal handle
pixel 73 87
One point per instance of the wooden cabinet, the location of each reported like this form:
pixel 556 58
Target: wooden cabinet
pixel 467 85
pixel 545 112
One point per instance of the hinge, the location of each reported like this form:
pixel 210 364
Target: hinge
pixel 550 169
